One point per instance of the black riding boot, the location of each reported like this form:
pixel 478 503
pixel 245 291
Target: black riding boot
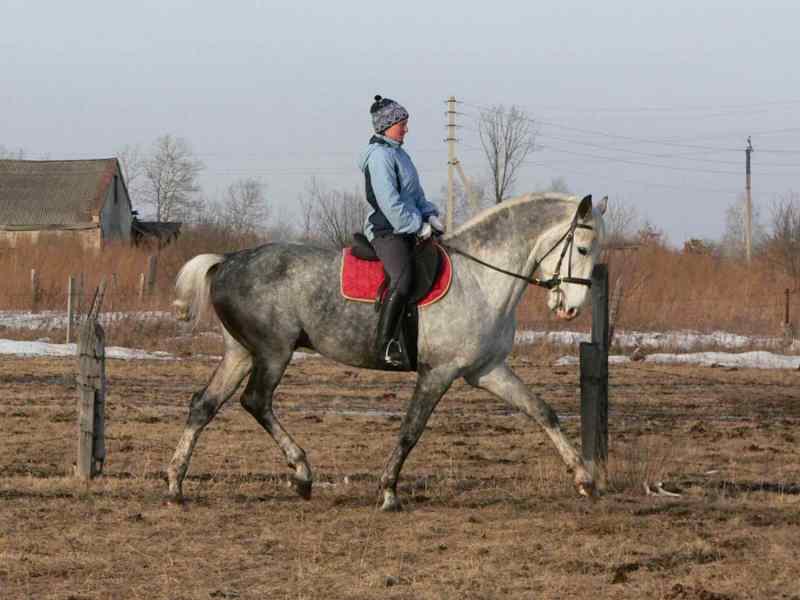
pixel 387 345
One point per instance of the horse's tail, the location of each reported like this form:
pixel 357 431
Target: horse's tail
pixel 193 287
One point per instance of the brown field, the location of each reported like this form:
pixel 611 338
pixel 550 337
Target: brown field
pixel 490 511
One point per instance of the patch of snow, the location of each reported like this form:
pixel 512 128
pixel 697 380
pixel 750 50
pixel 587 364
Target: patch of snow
pixel 613 359
pixel 744 360
pixel 752 360
pixel 54 319
pixel 680 340
pixel 46 349
pixel 70 350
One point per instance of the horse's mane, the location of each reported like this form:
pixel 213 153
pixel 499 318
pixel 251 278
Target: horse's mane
pixel 487 219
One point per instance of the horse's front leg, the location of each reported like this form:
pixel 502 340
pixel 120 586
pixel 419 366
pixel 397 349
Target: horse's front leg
pixel 504 383
pixel 431 386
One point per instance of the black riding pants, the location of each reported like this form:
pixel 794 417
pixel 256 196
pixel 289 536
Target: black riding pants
pixel 396 253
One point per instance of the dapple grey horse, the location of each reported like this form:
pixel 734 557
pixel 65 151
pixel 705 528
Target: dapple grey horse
pixel 277 298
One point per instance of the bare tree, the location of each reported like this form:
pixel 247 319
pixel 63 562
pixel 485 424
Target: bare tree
pixel 244 208
pixel 132 162
pixel 622 223
pixel 332 216
pixel 171 179
pixel 507 137
pixel 463 207
pixel 733 240
pixel 650 235
pixel 558 184
pixel 8 154
pixel 783 242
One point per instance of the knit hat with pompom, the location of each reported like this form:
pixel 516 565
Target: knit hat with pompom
pixel 385 113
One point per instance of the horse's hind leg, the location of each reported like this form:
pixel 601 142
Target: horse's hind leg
pixel 504 383
pixel 235 365
pixel 257 400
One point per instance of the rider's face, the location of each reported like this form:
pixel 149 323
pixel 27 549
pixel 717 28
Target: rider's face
pixel 397 131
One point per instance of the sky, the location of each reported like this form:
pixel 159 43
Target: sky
pixel 650 103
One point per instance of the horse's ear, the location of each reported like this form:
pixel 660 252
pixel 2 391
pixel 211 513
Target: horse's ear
pixel 585 207
pixel 602 206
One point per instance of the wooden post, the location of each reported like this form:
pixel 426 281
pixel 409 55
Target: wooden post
pixel 80 299
pixel 141 287
pixel 614 306
pixel 594 383
pixel 70 306
pixel 748 205
pixel 152 267
pixel 788 334
pixel 91 393
pixel 34 291
pixel 786 311
pixel 600 306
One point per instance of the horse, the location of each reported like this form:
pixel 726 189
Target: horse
pixel 276 298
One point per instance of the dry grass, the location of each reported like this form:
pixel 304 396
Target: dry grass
pixel 663 289
pixel 668 290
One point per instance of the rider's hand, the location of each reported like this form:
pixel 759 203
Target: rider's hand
pixel 425 231
pixel 436 224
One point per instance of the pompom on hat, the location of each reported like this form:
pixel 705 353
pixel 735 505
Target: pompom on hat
pixel 385 113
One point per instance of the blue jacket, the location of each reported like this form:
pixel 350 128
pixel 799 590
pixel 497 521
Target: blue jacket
pixel 398 202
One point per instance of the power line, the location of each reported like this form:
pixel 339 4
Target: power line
pixel 640 140
pixel 638 163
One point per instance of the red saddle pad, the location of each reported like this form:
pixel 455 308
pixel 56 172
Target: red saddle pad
pixel 362 278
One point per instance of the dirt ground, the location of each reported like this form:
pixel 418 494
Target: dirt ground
pixel 489 510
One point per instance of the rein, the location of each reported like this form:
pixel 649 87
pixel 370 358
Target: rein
pixel 556 280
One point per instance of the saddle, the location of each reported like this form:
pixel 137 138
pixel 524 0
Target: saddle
pixel 428 260
pixel 363 279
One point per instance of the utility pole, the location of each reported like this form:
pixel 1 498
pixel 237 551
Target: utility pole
pixel 748 209
pixel 451 159
pixel 454 164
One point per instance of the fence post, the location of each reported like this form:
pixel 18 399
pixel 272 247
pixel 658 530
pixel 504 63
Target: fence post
pixel 788 334
pixel 70 306
pixel 614 307
pixel 34 291
pixel 91 390
pixel 141 287
pixel 79 303
pixel 594 383
pixel 152 268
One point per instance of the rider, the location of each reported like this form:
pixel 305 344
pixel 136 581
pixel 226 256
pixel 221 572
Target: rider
pixel 399 214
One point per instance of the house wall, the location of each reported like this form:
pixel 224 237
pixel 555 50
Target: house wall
pixel 116 216
pixel 88 238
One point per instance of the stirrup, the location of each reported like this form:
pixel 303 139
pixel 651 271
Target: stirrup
pixel 396 359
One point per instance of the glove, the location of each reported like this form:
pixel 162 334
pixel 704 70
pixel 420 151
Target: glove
pixel 436 223
pixel 425 231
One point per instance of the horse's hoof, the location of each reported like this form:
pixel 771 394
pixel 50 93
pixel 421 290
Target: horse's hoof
pixel 175 500
pixel 587 489
pixel 302 487
pixel 391 504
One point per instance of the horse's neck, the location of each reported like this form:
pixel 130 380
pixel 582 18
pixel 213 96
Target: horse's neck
pixel 508 246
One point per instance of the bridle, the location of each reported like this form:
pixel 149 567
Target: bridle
pixel 556 280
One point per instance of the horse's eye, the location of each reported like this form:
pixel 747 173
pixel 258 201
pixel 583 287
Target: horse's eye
pixel 583 251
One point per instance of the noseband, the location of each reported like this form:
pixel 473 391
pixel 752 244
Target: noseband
pixel 556 280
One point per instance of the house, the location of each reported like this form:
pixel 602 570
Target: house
pixel 85 200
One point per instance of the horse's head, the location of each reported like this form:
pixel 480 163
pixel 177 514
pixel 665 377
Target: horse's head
pixel 571 249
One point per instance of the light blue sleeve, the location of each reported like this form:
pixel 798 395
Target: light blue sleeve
pixel 404 217
pixel 425 207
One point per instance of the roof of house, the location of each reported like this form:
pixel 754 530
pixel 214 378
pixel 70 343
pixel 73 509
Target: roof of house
pixel 54 192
